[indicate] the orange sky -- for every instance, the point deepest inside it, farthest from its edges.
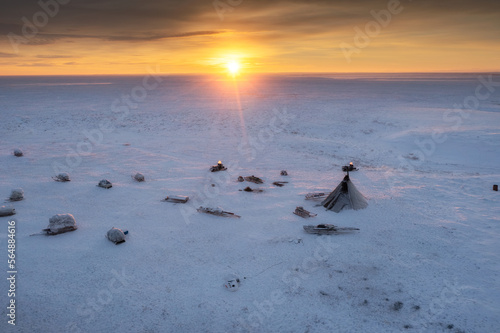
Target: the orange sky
(128, 36)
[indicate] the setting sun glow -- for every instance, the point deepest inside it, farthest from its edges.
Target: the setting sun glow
(233, 67)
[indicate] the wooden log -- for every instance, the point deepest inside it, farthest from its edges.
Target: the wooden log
(177, 199)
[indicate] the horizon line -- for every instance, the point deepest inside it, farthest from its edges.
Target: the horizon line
(257, 73)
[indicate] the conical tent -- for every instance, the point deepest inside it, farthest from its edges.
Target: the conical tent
(345, 196)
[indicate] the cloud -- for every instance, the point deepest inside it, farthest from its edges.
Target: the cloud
(150, 20)
(7, 55)
(49, 38)
(54, 56)
(38, 64)
(157, 37)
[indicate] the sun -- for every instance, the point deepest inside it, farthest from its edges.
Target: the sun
(233, 67)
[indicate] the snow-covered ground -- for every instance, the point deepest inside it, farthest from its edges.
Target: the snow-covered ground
(426, 258)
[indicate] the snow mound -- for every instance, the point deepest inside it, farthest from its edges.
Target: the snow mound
(61, 223)
(139, 177)
(17, 194)
(18, 152)
(116, 235)
(105, 184)
(7, 211)
(62, 177)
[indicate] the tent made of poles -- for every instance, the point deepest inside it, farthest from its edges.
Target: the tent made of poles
(345, 196)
